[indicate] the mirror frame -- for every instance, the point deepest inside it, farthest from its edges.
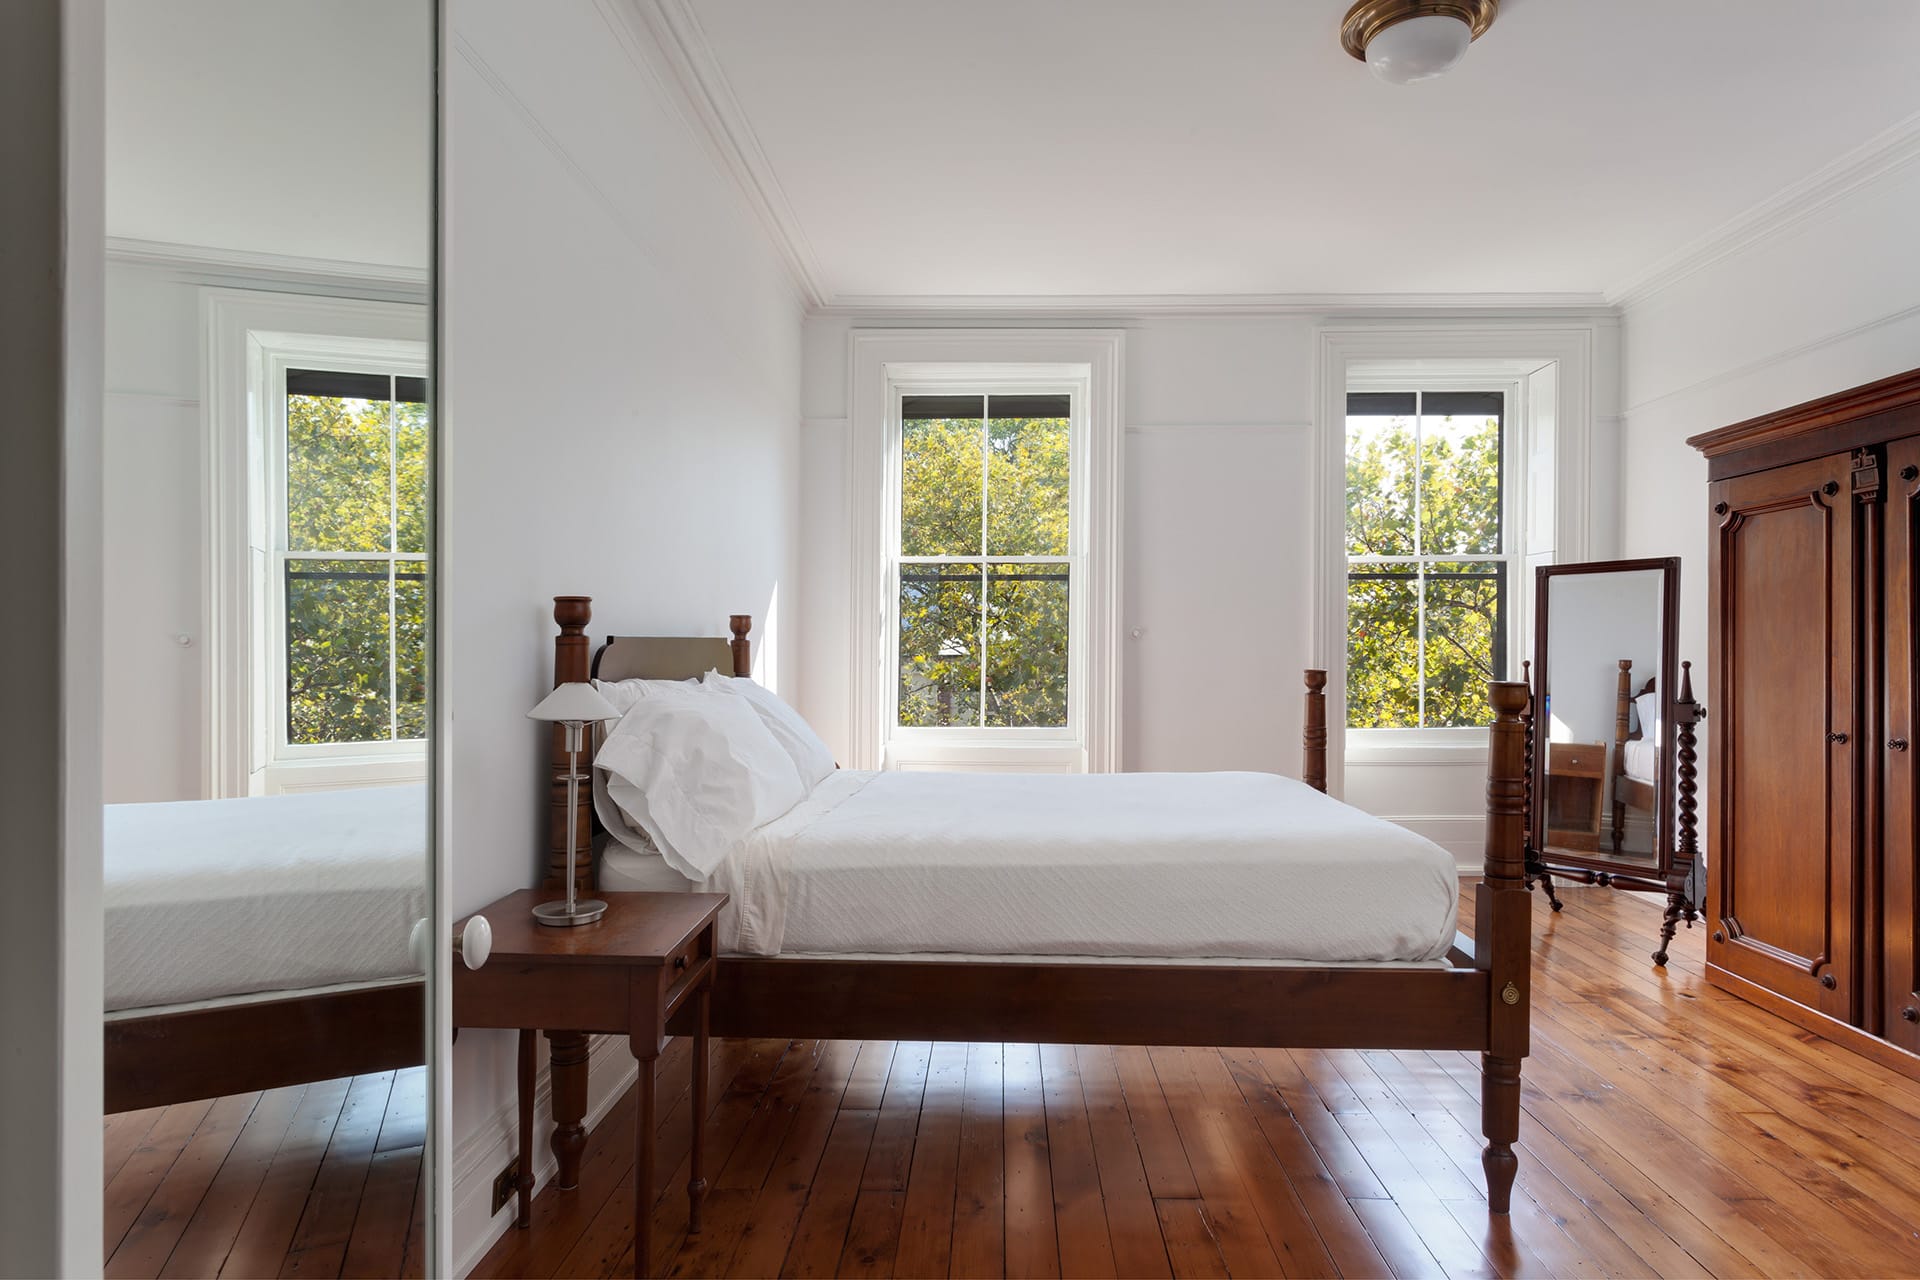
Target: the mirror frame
(1618, 870)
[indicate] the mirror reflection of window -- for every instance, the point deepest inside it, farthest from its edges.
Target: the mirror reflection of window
(267, 447)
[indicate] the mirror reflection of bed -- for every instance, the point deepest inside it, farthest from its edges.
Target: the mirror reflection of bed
(267, 443)
(1601, 715)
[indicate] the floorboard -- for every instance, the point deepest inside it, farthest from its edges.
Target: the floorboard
(1667, 1129)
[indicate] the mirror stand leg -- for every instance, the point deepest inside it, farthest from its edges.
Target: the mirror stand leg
(1670, 922)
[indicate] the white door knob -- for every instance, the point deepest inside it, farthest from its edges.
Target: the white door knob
(473, 943)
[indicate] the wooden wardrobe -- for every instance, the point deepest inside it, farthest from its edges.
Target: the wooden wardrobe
(1813, 851)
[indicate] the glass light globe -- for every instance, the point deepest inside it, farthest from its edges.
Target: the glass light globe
(1418, 48)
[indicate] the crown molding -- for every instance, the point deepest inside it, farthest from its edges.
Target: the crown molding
(1124, 306)
(671, 27)
(204, 262)
(1885, 153)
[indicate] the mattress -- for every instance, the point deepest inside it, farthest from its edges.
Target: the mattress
(211, 899)
(1640, 758)
(1224, 866)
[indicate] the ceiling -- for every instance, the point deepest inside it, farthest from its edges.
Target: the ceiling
(298, 128)
(918, 148)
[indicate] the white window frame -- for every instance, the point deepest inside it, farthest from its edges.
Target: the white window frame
(887, 364)
(252, 339)
(1557, 357)
(1441, 743)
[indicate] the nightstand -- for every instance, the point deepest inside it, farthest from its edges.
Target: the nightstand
(1576, 787)
(624, 974)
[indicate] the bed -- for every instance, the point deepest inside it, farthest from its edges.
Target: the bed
(1423, 990)
(1636, 753)
(253, 943)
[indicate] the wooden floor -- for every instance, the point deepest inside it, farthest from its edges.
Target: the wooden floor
(313, 1180)
(1668, 1130)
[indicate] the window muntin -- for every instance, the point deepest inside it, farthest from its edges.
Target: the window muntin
(352, 563)
(1428, 567)
(985, 568)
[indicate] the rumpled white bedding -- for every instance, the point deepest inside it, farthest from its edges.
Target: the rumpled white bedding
(214, 898)
(1220, 865)
(1640, 757)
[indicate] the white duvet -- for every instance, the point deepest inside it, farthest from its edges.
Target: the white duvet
(1641, 758)
(208, 899)
(1216, 865)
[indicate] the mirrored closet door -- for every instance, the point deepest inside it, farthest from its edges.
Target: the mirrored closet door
(269, 545)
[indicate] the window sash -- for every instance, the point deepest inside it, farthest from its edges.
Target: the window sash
(1416, 404)
(405, 384)
(1025, 394)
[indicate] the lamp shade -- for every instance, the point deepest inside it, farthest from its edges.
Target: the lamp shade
(577, 702)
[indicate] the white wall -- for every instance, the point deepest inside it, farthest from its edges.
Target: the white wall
(1825, 303)
(621, 384)
(50, 351)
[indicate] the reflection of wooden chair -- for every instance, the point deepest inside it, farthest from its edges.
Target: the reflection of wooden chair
(1630, 792)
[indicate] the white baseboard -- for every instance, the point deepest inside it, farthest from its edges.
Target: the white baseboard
(479, 1158)
(1463, 837)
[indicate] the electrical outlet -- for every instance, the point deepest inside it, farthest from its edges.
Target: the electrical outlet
(506, 1184)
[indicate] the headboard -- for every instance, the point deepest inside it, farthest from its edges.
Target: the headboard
(620, 658)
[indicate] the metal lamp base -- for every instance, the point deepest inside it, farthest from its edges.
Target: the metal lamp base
(584, 911)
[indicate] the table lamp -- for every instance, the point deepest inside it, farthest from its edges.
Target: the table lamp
(575, 705)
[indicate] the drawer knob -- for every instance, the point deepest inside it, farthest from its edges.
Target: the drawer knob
(1828, 981)
(1910, 473)
(1837, 737)
(1719, 936)
(1911, 1014)
(679, 963)
(1897, 744)
(1719, 508)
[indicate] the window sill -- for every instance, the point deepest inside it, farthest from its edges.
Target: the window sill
(986, 756)
(1416, 746)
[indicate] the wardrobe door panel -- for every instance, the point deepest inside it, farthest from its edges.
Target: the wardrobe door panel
(1899, 880)
(1782, 835)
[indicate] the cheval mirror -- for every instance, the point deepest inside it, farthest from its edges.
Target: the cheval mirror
(1611, 791)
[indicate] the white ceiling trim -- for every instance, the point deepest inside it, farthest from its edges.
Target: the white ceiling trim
(205, 261)
(1234, 304)
(1881, 155)
(671, 26)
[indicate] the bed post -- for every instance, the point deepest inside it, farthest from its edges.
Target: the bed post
(1313, 741)
(740, 624)
(1503, 940)
(572, 662)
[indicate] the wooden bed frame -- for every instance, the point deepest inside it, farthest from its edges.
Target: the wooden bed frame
(156, 1060)
(1478, 1002)
(1628, 793)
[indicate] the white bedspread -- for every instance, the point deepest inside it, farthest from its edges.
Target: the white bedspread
(1640, 756)
(1226, 865)
(213, 898)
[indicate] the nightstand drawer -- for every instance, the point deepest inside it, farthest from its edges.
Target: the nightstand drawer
(683, 964)
(1578, 759)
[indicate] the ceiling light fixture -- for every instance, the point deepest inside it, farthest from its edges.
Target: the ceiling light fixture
(1408, 40)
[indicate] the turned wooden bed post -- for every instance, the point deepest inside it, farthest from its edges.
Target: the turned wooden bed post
(740, 624)
(1313, 740)
(572, 662)
(1503, 940)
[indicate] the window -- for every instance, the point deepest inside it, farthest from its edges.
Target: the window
(1429, 556)
(351, 490)
(985, 564)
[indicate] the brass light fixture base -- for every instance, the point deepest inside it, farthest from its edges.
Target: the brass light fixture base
(1369, 18)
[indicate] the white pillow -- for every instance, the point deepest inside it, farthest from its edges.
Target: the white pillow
(624, 693)
(812, 757)
(1647, 707)
(698, 772)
